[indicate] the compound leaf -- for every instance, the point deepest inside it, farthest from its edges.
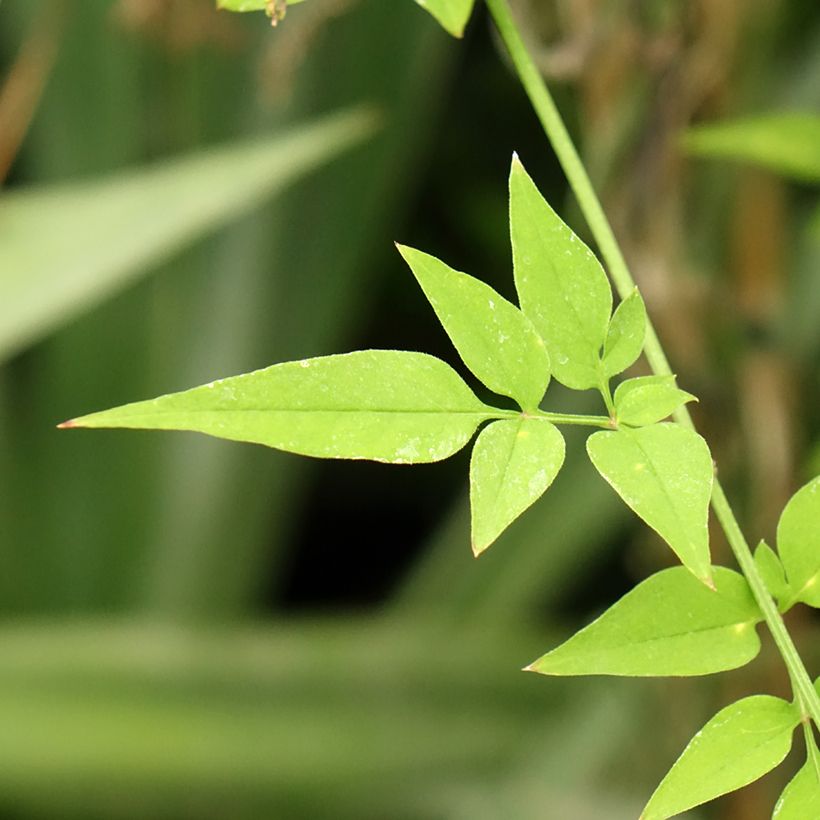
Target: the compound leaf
(670, 624)
(452, 14)
(771, 570)
(561, 286)
(801, 797)
(493, 337)
(787, 143)
(625, 337)
(664, 473)
(736, 747)
(514, 461)
(648, 399)
(798, 542)
(383, 405)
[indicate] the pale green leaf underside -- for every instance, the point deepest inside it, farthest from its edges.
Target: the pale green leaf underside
(664, 474)
(736, 747)
(249, 5)
(670, 624)
(561, 286)
(513, 462)
(798, 542)
(648, 399)
(382, 405)
(801, 798)
(771, 570)
(492, 336)
(102, 234)
(452, 14)
(788, 143)
(625, 337)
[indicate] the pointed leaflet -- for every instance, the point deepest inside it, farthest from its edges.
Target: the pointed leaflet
(493, 337)
(771, 571)
(798, 542)
(671, 624)
(648, 399)
(452, 14)
(561, 286)
(625, 337)
(382, 405)
(513, 463)
(736, 747)
(801, 798)
(664, 473)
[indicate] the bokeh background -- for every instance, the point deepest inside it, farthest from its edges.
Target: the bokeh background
(198, 629)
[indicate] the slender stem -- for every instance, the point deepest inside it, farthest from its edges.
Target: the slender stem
(558, 136)
(570, 418)
(811, 748)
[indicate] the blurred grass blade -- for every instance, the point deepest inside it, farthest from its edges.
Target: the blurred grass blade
(64, 248)
(787, 143)
(130, 712)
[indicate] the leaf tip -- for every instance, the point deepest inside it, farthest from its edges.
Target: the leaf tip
(67, 425)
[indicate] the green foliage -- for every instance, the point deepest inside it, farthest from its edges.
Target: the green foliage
(252, 5)
(648, 399)
(771, 570)
(801, 798)
(494, 339)
(625, 336)
(452, 14)
(664, 473)
(737, 746)
(383, 405)
(561, 285)
(138, 219)
(670, 624)
(513, 463)
(798, 542)
(405, 407)
(788, 143)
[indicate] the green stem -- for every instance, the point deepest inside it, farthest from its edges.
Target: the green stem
(570, 418)
(558, 136)
(811, 748)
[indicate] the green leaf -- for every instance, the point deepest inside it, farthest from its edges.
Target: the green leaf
(493, 337)
(736, 747)
(102, 234)
(664, 473)
(452, 14)
(383, 405)
(513, 463)
(787, 143)
(251, 5)
(670, 624)
(798, 542)
(648, 399)
(801, 798)
(625, 337)
(771, 570)
(561, 286)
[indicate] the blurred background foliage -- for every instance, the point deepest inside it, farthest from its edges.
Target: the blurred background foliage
(197, 629)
